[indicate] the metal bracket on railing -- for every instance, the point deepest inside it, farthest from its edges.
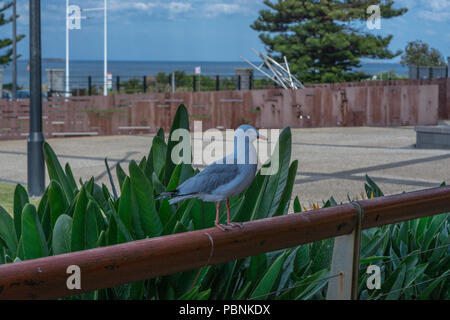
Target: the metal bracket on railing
(345, 262)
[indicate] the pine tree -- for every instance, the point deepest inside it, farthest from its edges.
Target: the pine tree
(324, 40)
(6, 50)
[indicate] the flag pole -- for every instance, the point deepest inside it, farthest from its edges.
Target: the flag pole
(67, 49)
(105, 51)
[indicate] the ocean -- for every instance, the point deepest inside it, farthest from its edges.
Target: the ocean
(80, 70)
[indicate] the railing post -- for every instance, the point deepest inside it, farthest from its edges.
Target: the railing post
(345, 262)
(90, 85)
(193, 83)
(118, 84)
(217, 83)
(173, 82)
(144, 84)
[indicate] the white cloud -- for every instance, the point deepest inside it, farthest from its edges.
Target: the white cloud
(216, 9)
(188, 8)
(179, 7)
(431, 10)
(435, 16)
(176, 8)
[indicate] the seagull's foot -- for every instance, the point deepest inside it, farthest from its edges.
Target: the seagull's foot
(223, 227)
(236, 225)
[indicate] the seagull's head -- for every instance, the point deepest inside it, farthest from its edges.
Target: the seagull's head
(245, 131)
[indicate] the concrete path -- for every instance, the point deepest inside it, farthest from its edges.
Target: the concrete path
(332, 161)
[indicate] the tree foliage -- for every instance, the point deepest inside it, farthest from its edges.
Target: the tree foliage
(6, 50)
(419, 53)
(324, 40)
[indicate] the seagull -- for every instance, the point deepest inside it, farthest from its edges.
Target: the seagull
(223, 178)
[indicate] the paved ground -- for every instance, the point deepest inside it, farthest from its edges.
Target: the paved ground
(332, 161)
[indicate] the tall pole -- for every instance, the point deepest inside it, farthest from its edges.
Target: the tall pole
(67, 49)
(173, 82)
(105, 61)
(14, 62)
(36, 170)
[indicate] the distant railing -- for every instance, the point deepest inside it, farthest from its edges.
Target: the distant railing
(428, 72)
(106, 267)
(119, 84)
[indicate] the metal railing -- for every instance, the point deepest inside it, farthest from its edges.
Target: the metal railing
(93, 85)
(106, 267)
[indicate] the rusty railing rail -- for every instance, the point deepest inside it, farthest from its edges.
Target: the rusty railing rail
(106, 267)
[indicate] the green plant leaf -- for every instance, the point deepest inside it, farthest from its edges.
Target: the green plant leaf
(143, 190)
(56, 172)
(20, 200)
(432, 231)
(373, 187)
(180, 121)
(157, 157)
(125, 211)
(297, 205)
(269, 279)
(372, 259)
(158, 186)
(57, 201)
(7, 231)
(62, 234)
(252, 199)
(34, 242)
(276, 181)
(143, 164)
(285, 200)
(111, 180)
(427, 292)
(394, 283)
(70, 178)
(257, 266)
(78, 239)
(121, 175)
(92, 231)
(311, 285)
(175, 178)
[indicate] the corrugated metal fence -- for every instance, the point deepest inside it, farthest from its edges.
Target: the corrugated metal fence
(390, 103)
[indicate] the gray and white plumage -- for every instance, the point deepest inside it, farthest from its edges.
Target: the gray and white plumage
(223, 178)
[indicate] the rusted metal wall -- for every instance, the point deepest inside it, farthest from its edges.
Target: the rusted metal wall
(443, 83)
(368, 104)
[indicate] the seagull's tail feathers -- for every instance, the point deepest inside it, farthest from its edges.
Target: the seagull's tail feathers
(181, 198)
(175, 195)
(168, 194)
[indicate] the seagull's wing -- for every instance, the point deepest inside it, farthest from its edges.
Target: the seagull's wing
(209, 179)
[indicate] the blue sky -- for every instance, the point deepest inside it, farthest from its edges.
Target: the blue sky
(198, 30)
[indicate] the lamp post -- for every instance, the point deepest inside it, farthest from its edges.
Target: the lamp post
(105, 51)
(67, 50)
(36, 169)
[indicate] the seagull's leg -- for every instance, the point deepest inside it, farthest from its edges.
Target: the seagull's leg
(233, 224)
(218, 225)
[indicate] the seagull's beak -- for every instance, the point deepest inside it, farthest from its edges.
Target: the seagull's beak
(260, 136)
